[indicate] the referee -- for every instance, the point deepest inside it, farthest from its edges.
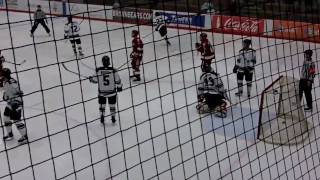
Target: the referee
(306, 79)
(40, 18)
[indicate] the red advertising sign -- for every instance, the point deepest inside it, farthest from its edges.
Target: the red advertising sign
(133, 15)
(296, 30)
(237, 25)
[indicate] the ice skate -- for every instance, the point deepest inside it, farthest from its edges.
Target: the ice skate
(113, 119)
(23, 139)
(8, 137)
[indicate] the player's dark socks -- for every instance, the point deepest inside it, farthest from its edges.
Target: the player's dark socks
(113, 119)
(81, 53)
(102, 119)
(137, 78)
(308, 109)
(8, 137)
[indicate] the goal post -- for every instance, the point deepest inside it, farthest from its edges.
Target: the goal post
(281, 117)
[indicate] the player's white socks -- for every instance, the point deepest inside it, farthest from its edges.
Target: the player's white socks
(74, 48)
(102, 109)
(112, 109)
(21, 128)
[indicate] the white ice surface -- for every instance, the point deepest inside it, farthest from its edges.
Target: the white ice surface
(159, 134)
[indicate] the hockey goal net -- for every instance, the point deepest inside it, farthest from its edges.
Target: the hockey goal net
(281, 118)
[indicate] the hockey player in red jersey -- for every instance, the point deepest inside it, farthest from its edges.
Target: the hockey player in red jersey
(136, 54)
(206, 50)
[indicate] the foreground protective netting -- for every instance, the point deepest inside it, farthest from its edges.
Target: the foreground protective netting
(158, 133)
(282, 120)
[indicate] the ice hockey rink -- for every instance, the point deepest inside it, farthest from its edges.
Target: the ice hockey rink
(160, 135)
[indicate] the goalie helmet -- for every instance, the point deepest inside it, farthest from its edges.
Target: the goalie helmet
(157, 14)
(106, 61)
(308, 52)
(134, 33)
(246, 43)
(6, 72)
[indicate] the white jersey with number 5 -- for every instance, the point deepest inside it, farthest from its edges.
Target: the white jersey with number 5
(108, 81)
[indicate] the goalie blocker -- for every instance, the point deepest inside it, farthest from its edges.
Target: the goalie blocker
(212, 96)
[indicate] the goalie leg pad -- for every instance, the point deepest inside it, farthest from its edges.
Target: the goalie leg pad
(203, 108)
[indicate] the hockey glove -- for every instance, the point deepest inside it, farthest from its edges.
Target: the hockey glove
(200, 98)
(15, 105)
(119, 89)
(235, 69)
(91, 79)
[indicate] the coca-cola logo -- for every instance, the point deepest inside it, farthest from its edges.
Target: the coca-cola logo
(248, 25)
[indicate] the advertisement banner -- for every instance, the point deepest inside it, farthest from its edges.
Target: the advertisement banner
(238, 25)
(11, 4)
(90, 10)
(50, 7)
(133, 15)
(183, 19)
(296, 30)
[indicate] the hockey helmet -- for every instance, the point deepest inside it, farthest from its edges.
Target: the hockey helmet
(39, 6)
(157, 14)
(134, 33)
(247, 42)
(203, 36)
(106, 61)
(308, 52)
(6, 72)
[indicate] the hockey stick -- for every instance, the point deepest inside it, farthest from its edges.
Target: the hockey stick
(122, 65)
(147, 35)
(64, 66)
(18, 64)
(82, 19)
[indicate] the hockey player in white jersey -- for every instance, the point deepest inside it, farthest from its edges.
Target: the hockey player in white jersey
(161, 26)
(71, 32)
(244, 67)
(212, 96)
(12, 113)
(109, 83)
